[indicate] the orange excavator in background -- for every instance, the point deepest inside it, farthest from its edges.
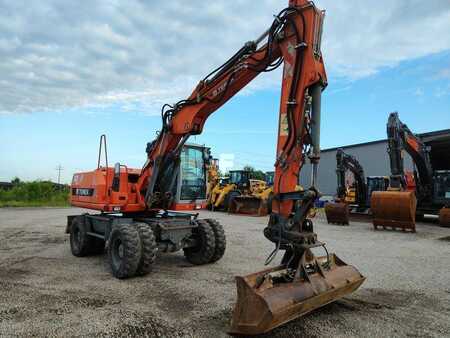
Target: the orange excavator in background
(134, 218)
(398, 207)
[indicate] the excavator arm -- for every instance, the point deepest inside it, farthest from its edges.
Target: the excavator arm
(293, 39)
(346, 162)
(400, 138)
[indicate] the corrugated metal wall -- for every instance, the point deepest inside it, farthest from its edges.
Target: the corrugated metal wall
(372, 156)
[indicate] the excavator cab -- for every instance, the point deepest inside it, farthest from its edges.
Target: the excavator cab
(442, 195)
(270, 175)
(241, 179)
(376, 183)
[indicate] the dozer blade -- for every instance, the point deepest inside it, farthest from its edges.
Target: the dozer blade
(249, 205)
(394, 209)
(337, 213)
(444, 217)
(264, 304)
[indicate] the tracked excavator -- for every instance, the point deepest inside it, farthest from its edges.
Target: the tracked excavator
(398, 207)
(339, 211)
(135, 213)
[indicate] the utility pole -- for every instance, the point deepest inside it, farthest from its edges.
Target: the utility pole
(59, 169)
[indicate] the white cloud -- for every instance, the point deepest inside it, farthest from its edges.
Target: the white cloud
(56, 55)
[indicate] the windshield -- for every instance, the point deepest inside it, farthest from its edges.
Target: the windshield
(235, 176)
(269, 177)
(193, 185)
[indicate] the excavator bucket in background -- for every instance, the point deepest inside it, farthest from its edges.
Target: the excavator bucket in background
(394, 209)
(337, 213)
(249, 205)
(266, 300)
(444, 217)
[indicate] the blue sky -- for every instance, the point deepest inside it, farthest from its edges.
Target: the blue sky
(46, 124)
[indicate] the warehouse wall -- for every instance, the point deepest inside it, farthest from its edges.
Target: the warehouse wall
(372, 156)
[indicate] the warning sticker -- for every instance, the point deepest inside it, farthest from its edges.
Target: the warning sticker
(284, 127)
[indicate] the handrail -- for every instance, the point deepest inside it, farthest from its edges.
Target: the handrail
(102, 138)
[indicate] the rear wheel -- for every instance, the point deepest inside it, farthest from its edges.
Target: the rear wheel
(204, 250)
(219, 238)
(124, 250)
(149, 248)
(81, 244)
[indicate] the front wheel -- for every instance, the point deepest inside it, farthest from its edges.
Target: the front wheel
(124, 250)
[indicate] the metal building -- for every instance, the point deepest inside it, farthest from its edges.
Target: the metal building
(374, 158)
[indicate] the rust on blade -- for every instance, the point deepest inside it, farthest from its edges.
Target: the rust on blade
(444, 217)
(264, 303)
(337, 213)
(394, 209)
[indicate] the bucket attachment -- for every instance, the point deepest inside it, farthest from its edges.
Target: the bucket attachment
(272, 297)
(337, 213)
(444, 217)
(394, 209)
(249, 205)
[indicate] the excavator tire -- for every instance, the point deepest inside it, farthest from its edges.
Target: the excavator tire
(204, 251)
(444, 217)
(394, 209)
(337, 213)
(149, 248)
(81, 244)
(220, 240)
(124, 250)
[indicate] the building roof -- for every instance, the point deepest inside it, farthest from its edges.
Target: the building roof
(429, 136)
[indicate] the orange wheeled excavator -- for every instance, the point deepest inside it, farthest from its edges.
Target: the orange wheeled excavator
(134, 216)
(398, 207)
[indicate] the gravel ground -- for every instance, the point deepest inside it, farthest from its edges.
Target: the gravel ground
(45, 291)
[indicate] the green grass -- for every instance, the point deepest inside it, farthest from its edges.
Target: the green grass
(34, 194)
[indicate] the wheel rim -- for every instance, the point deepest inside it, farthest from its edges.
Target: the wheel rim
(117, 252)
